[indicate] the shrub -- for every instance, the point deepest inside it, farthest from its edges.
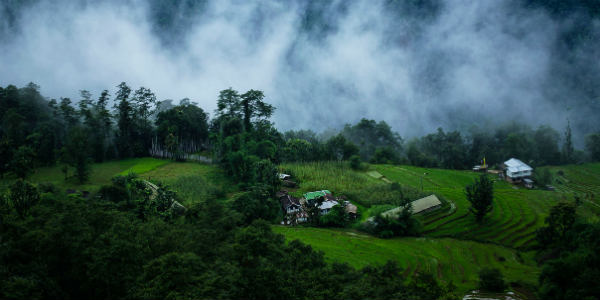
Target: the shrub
(337, 217)
(23, 195)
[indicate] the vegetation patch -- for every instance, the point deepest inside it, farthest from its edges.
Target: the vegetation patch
(457, 261)
(144, 165)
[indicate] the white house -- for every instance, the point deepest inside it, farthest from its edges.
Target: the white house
(284, 176)
(516, 169)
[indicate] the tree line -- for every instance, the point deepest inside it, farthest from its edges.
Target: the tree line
(39, 132)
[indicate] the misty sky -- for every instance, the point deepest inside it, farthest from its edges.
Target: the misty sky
(452, 64)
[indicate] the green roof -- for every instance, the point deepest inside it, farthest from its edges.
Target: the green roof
(317, 194)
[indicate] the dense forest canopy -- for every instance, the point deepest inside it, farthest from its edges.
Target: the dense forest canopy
(417, 65)
(133, 123)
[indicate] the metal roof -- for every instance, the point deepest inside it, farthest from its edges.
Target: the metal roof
(417, 205)
(317, 194)
(514, 165)
(328, 204)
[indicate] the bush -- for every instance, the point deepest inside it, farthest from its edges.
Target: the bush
(23, 195)
(491, 280)
(401, 224)
(337, 217)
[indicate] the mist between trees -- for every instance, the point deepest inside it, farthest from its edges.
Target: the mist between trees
(40, 132)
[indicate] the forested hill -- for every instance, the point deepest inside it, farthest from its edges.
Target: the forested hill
(133, 123)
(77, 221)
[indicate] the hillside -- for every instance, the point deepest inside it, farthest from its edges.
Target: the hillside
(190, 180)
(453, 248)
(449, 249)
(447, 259)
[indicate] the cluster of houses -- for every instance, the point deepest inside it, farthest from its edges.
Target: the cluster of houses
(512, 170)
(295, 208)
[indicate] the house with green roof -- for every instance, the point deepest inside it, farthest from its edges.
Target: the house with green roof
(328, 200)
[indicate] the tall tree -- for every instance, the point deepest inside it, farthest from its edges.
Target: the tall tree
(102, 136)
(22, 162)
(592, 146)
(76, 153)
(481, 195)
(85, 108)
(22, 196)
(68, 113)
(253, 106)
(143, 101)
(228, 103)
(568, 148)
(124, 120)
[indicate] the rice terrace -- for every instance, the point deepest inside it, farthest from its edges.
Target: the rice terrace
(292, 149)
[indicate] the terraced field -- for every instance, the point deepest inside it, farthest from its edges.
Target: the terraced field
(583, 181)
(447, 259)
(516, 215)
(517, 212)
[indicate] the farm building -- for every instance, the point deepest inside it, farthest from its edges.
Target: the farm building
(292, 208)
(351, 209)
(284, 176)
(425, 204)
(289, 204)
(516, 170)
(328, 200)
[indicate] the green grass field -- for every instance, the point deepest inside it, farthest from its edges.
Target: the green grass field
(101, 173)
(517, 212)
(581, 180)
(446, 258)
(193, 181)
(454, 246)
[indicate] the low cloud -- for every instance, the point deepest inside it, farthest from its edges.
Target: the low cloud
(457, 64)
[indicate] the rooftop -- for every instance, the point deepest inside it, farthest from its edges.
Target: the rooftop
(418, 205)
(514, 165)
(317, 194)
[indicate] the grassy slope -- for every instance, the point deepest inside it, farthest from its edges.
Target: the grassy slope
(583, 180)
(192, 180)
(517, 214)
(100, 173)
(448, 259)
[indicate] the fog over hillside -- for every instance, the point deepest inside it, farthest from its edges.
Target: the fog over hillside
(418, 65)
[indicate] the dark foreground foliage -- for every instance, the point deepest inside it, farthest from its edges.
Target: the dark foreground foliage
(568, 250)
(124, 245)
